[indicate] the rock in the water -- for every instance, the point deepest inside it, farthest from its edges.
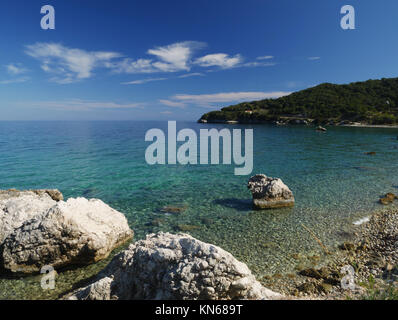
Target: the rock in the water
(388, 198)
(167, 266)
(269, 193)
(173, 209)
(320, 128)
(38, 231)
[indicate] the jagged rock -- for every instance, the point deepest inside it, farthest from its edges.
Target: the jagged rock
(269, 193)
(55, 194)
(38, 231)
(167, 266)
(18, 206)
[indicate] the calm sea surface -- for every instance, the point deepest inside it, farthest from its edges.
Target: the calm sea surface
(333, 181)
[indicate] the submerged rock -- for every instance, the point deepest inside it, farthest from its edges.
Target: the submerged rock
(388, 198)
(37, 230)
(269, 193)
(187, 227)
(167, 266)
(173, 209)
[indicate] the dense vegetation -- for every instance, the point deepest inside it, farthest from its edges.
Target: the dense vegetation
(372, 102)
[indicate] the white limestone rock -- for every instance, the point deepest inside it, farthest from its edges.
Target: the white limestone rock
(39, 231)
(167, 266)
(270, 193)
(19, 206)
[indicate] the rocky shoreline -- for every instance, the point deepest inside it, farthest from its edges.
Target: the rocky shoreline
(372, 254)
(39, 228)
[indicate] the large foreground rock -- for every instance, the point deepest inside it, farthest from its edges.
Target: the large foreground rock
(270, 193)
(166, 266)
(37, 230)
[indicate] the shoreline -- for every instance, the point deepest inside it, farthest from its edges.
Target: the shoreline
(309, 124)
(369, 126)
(371, 254)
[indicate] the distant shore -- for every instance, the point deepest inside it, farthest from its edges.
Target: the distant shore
(370, 126)
(299, 122)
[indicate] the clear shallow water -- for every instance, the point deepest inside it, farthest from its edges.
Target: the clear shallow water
(333, 181)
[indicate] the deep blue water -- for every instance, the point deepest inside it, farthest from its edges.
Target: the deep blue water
(333, 181)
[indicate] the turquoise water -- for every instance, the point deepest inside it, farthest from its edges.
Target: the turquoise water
(333, 181)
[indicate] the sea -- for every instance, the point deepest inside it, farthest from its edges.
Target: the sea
(334, 182)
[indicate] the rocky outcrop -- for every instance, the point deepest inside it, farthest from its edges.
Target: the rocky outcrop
(17, 207)
(167, 266)
(270, 193)
(37, 230)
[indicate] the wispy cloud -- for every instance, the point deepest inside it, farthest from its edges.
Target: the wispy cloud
(83, 105)
(16, 69)
(265, 58)
(17, 80)
(208, 100)
(173, 104)
(221, 60)
(166, 112)
(314, 58)
(188, 75)
(68, 64)
(259, 64)
(144, 80)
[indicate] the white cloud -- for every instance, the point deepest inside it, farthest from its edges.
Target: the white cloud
(171, 58)
(259, 64)
(68, 64)
(84, 105)
(15, 69)
(314, 58)
(265, 58)
(207, 100)
(174, 104)
(194, 74)
(221, 60)
(130, 66)
(144, 80)
(166, 112)
(11, 81)
(175, 57)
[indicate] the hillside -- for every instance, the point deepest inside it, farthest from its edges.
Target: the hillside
(370, 102)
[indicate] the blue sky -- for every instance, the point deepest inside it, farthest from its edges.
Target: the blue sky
(175, 60)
